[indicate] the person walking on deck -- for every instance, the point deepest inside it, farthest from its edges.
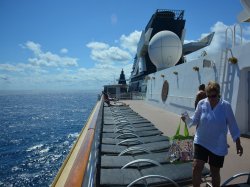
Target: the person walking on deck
(201, 94)
(106, 98)
(214, 117)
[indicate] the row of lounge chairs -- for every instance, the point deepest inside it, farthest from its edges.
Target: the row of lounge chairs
(135, 153)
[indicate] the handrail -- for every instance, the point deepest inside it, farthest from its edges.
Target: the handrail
(236, 176)
(229, 28)
(142, 160)
(119, 118)
(79, 168)
(134, 149)
(123, 127)
(130, 140)
(122, 122)
(70, 154)
(235, 33)
(124, 131)
(124, 134)
(153, 176)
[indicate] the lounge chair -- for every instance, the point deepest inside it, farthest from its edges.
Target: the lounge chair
(146, 162)
(229, 181)
(134, 141)
(130, 128)
(149, 147)
(112, 162)
(126, 135)
(110, 121)
(163, 175)
(118, 121)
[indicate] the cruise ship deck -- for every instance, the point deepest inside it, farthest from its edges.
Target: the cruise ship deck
(98, 156)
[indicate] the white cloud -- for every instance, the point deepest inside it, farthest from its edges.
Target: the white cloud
(219, 38)
(21, 68)
(47, 58)
(47, 70)
(101, 52)
(121, 54)
(97, 45)
(64, 51)
(10, 68)
(103, 72)
(82, 78)
(130, 42)
(36, 48)
(246, 31)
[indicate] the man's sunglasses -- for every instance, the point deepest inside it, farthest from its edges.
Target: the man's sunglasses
(212, 96)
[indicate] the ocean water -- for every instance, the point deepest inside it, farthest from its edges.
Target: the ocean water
(37, 131)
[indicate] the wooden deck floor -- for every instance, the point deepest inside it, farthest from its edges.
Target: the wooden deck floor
(167, 122)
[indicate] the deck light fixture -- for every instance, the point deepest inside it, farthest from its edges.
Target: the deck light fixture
(233, 60)
(196, 68)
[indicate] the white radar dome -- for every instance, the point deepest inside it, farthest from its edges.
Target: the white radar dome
(165, 49)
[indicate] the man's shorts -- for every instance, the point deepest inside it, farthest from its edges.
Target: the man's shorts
(201, 153)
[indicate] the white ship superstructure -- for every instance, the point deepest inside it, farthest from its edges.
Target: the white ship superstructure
(175, 82)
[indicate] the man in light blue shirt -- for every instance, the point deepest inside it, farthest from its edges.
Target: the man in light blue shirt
(214, 117)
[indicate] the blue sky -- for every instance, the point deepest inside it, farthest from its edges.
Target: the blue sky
(84, 44)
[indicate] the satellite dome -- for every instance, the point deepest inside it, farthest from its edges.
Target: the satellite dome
(165, 49)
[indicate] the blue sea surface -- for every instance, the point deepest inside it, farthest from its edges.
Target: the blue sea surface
(37, 132)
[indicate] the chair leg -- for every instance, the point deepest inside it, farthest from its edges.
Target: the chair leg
(248, 180)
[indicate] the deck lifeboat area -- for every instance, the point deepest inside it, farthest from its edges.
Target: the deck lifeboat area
(128, 145)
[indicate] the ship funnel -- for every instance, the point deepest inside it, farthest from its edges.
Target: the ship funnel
(165, 49)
